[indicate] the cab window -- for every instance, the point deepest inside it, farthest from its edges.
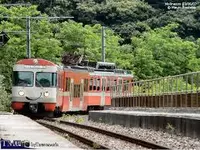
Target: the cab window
(23, 78)
(46, 79)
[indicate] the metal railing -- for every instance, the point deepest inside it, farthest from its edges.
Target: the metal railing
(184, 84)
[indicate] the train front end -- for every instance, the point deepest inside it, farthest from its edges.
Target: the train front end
(34, 87)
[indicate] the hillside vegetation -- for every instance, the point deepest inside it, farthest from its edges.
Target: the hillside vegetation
(142, 36)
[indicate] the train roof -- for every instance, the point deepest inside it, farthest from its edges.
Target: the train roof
(34, 61)
(93, 68)
(101, 69)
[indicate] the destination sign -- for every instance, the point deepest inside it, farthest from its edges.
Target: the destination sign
(35, 67)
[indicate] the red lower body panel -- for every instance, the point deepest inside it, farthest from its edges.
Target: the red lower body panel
(49, 106)
(17, 105)
(21, 105)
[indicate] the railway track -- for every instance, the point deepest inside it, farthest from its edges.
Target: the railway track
(84, 140)
(132, 140)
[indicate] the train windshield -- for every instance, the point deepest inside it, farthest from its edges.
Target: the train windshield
(22, 78)
(46, 79)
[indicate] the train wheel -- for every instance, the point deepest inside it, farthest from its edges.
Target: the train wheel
(90, 108)
(57, 112)
(50, 114)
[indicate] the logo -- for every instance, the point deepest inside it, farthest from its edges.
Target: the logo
(35, 61)
(15, 144)
(24, 144)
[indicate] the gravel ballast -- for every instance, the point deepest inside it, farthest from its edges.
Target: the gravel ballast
(159, 137)
(107, 141)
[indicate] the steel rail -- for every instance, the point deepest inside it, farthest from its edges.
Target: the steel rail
(84, 140)
(136, 141)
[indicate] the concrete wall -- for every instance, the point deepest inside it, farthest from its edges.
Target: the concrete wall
(184, 126)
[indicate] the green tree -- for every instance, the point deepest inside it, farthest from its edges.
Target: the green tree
(4, 97)
(49, 40)
(123, 16)
(86, 40)
(166, 50)
(43, 43)
(188, 20)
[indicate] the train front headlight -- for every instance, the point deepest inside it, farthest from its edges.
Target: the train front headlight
(21, 93)
(46, 93)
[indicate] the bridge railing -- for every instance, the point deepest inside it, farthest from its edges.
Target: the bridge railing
(178, 90)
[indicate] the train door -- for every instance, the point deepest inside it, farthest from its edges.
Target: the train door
(60, 90)
(103, 93)
(81, 94)
(119, 87)
(71, 94)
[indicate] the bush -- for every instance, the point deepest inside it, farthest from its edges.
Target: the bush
(4, 97)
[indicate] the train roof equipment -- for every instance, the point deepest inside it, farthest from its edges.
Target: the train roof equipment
(99, 67)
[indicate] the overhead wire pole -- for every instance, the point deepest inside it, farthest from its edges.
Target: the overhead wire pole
(103, 43)
(28, 24)
(28, 28)
(28, 39)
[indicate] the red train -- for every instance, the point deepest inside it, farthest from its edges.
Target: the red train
(41, 86)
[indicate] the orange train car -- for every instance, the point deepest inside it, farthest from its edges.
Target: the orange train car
(42, 86)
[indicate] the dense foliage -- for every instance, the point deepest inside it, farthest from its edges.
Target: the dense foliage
(161, 52)
(143, 36)
(4, 97)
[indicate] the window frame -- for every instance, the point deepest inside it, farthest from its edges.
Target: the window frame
(108, 84)
(77, 92)
(91, 84)
(68, 84)
(86, 84)
(23, 86)
(94, 87)
(98, 81)
(58, 78)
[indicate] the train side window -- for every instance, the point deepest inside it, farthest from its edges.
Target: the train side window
(68, 81)
(120, 85)
(71, 91)
(74, 91)
(115, 84)
(61, 86)
(108, 85)
(77, 90)
(60, 81)
(103, 84)
(98, 84)
(81, 90)
(94, 84)
(85, 85)
(125, 82)
(91, 84)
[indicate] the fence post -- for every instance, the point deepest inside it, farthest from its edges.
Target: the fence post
(191, 93)
(197, 89)
(186, 91)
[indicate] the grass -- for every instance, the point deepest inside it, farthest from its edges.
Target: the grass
(73, 118)
(170, 128)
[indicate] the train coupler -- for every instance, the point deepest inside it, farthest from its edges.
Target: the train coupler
(33, 107)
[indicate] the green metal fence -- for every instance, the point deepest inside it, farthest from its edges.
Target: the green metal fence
(185, 85)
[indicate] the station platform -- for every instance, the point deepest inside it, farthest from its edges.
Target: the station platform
(186, 124)
(18, 130)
